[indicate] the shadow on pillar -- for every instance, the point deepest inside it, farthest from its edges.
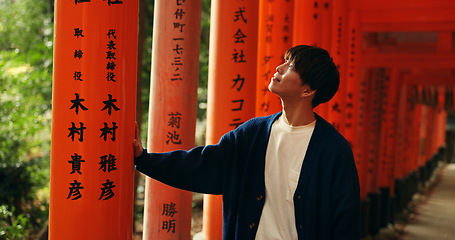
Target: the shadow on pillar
(405, 188)
(392, 210)
(399, 195)
(385, 206)
(412, 186)
(375, 213)
(365, 210)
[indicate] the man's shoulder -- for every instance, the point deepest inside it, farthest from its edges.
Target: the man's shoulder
(260, 121)
(330, 134)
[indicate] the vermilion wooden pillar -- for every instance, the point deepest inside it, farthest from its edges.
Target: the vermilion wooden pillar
(172, 112)
(326, 24)
(339, 45)
(354, 109)
(385, 111)
(404, 147)
(419, 133)
(441, 119)
(232, 83)
(93, 112)
(307, 22)
(308, 29)
(437, 120)
(376, 77)
(388, 129)
(412, 132)
(274, 38)
(387, 144)
(431, 126)
(439, 113)
(423, 113)
(392, 125)
(374, 116)
(400, 146)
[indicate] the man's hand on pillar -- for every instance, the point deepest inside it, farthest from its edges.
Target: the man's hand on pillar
(137, 143)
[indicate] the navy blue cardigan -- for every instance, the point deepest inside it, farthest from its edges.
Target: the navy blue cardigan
(326, 201)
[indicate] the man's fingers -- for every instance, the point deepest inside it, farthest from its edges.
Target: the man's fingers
(136, 132)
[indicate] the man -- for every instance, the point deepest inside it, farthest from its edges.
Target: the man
(290, 175)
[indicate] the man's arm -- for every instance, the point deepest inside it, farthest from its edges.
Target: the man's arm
(346, 199)
(200, 169)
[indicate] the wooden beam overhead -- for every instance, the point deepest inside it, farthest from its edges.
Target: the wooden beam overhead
(408, 27)
(423, 60)
(363, 5)
(429, 80)
(407, 16)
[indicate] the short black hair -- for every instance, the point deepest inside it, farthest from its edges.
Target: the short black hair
(317, 69)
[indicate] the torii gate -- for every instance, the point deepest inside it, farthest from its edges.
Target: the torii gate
(397, 71)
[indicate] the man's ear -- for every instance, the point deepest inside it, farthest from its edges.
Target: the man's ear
(307, 92)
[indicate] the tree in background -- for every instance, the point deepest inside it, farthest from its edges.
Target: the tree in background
(25, 102)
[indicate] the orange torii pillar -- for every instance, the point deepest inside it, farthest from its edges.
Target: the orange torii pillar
(415, 118)
(437, 146)
(443, 136)
(307, 22)
(425, 115)
(339, 45)
(415, 142)
(422, 113)
(439, 90)
(430, 132)
(439, 143)
(360, 148)
(430, 127)
(172, 112)
(325, 27)
(384, 125)
(355, 110)
(326, 13)
(308, 19)
(376, 78)
(93, 113)
(388, 141)
(274, 38)
(402, 145)
(232, 83)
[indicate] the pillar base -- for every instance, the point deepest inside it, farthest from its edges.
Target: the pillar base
(413, 186)
(385, 206)
(393, 202)
(399, 195)
(375, 211)
(365, 217)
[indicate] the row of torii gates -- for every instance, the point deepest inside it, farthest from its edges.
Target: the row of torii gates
(397, 65)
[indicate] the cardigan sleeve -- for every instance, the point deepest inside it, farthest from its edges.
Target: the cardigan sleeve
(199, 169)
(346, 199)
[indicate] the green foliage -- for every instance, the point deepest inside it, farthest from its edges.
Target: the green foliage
(25, 94)
(24, 26)
(25, 103)
(11, 226)
(204, 59)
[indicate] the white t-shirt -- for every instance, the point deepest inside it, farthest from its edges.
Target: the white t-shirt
(285, 153)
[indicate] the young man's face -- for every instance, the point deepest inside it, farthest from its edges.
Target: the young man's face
(286, 82)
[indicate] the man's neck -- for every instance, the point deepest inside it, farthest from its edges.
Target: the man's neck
(298, 113)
